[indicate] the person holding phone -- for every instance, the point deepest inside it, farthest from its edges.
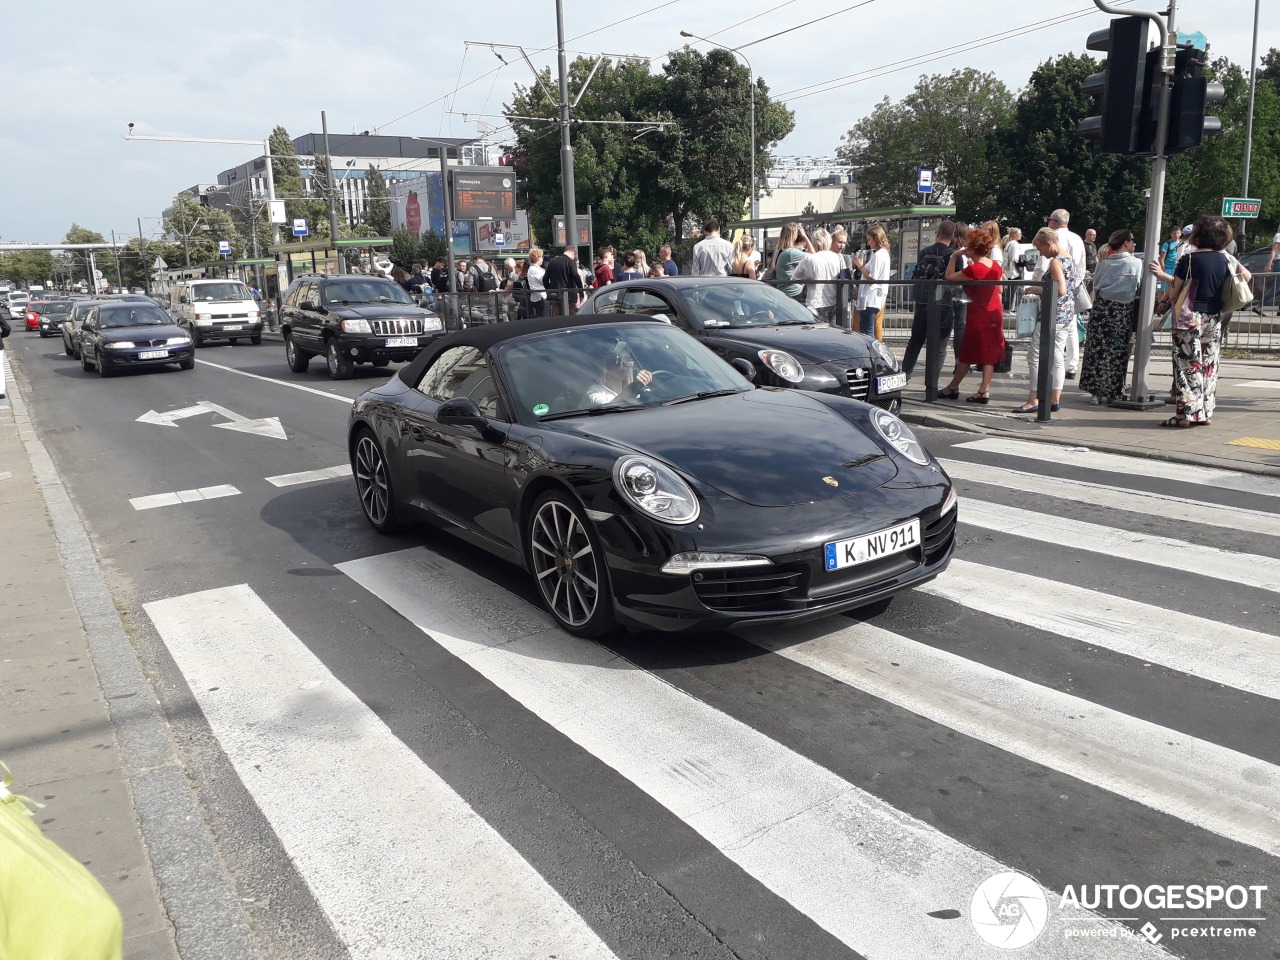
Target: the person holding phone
(983, 344)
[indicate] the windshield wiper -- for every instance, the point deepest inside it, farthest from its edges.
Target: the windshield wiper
(703, 395)
(788, 322)
(594, 411)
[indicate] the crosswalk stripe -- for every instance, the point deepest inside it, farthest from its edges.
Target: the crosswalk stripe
(183, 496)
(401, 865)
(862, 870)
(1133, 501)
(1129, 466)
(1239, 568)
(309, 476)
(1236, 657)
(1221, 790)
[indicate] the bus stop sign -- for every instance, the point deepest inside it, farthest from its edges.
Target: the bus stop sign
(925, 182)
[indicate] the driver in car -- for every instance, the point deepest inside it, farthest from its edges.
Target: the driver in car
(617, 377)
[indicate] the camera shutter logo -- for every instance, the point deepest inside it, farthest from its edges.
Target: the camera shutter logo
(1009, 910)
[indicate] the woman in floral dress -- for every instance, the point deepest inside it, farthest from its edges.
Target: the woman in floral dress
(1115, 292)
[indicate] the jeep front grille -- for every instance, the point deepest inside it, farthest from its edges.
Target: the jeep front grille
(396, 328)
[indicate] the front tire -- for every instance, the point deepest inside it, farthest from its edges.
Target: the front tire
(186, 364)
(85, 365)
(340, 367)
(381, 363)
(196, 336)
(104, 370)
(297, 358)
(568, 566)
(373, 484)
(256, 339)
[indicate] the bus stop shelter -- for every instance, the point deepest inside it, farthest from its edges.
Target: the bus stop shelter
(320, 256)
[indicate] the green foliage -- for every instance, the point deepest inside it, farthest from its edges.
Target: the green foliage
(289, 185)
(28, 266)
(378, 210)
(202, 227)
(1038, 162)
(407, 250)
(943, 123)
(104, 260)
(644, 186)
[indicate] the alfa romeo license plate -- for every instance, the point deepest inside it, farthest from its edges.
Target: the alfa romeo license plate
(888, 384)
(873, 546)
(152, 354)
(402, 341)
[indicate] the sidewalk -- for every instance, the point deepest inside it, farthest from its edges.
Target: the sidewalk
(80, 728)
(1245, 434)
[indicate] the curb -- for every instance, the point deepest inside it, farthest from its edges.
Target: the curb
(198, 898)
(939, 421)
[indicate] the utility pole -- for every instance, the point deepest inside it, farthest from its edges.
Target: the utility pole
(1248, 126)
(333, 184)
(566, 144)
(115, 252)
(142, 255)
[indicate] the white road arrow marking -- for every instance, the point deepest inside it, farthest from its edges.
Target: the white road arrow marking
(264, 427)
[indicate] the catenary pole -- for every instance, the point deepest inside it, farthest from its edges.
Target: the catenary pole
(566, 144)
(333, 184)
(1248, 124)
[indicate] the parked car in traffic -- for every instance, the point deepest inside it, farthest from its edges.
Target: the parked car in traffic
(71, 324)
(216, 310)
(351, 319)
(122, 335)
(46, 315)
(15, 301)
(758, 323)
(642, 480)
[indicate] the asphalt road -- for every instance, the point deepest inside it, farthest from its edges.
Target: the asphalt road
(393, 748)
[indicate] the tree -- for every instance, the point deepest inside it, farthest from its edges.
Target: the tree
(289, 185)
(943, 124)
(1038, 162)
(103, 259)
(202, 227)
(378, 210)
(27, 266)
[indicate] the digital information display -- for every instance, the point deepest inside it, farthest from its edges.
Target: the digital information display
(483, 196)
(582, 222)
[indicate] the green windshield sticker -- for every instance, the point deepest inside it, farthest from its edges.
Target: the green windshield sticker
(540, 409)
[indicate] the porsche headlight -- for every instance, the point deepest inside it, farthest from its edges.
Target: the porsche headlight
(899, 436)
(356, 326)
(884, 353)
(656, 489)
(783, 364)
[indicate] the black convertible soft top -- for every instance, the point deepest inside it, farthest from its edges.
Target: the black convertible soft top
(486, 335)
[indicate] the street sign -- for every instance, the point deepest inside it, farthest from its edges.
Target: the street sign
(159, 264)
(1241, 207)
(499, 240)
(924, 183)
(224, 246)
(480, 194)
(300, 226)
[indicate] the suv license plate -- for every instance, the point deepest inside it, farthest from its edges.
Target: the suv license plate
(152, 354)
(895, 382)
(873, 546)
(402, 341)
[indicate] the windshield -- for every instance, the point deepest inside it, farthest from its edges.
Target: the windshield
(231, 290)
(364, 291)
(746, 304)
(55, 307)
(599, 369)
(133, 315)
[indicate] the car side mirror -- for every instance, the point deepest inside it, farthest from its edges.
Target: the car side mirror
(307, 305)
(462, 411)
(744, 367)
(184, 299)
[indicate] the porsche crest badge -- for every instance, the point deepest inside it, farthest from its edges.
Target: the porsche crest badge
(831, 480)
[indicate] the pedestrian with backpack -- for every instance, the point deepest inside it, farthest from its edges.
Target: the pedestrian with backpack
(931, 265)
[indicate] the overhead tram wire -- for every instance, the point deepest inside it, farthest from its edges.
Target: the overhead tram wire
(807, 23)
(461, 87)
(732, 26)
(921, 59)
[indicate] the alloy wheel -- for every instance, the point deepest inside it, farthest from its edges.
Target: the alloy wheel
(332, 356)
(565, 563)
(371, 481)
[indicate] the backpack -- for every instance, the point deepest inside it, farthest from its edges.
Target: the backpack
(486, 282)
(931, 266)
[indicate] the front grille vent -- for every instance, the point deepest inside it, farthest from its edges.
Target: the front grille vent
(858, 381)
(746, 588)
(396, 328)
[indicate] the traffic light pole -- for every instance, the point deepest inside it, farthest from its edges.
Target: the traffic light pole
(566, 142)
(1139, 395)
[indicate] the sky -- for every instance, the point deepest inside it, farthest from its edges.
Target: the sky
(238, 68)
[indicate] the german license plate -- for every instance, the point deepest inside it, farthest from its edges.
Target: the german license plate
(152, 354)
(233, 326)
(873, 546)
(402, 341)
(894, 382)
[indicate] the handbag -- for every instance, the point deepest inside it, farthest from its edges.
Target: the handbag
(1083, 302)
(1184, 317)
(1005, 365)
(1028, 314)
(1237, 294)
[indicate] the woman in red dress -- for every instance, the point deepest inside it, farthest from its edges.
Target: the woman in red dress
(983, 344)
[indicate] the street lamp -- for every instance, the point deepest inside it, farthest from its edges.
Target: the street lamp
(751, 74)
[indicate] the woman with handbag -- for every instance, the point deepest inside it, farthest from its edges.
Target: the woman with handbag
(1111, 322)
(983, 344)
(1062, 272)
(1201, 282)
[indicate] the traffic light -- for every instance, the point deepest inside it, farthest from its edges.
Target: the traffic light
(1121, 86)
(1192, 93)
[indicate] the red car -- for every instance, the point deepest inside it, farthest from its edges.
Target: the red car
(46, 315)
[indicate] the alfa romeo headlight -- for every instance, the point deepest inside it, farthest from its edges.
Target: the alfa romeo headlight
(884, 353)
(783, 364)
(899, 436)
(656, 489)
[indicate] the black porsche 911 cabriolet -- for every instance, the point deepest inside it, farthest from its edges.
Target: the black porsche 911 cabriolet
(642, 480)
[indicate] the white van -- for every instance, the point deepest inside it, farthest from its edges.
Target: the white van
(216, 310)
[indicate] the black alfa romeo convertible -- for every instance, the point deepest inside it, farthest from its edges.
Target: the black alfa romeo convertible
(642, 480)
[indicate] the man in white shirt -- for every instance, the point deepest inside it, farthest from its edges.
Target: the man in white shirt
(822, 264)
(713, 254)
(1071, 245)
